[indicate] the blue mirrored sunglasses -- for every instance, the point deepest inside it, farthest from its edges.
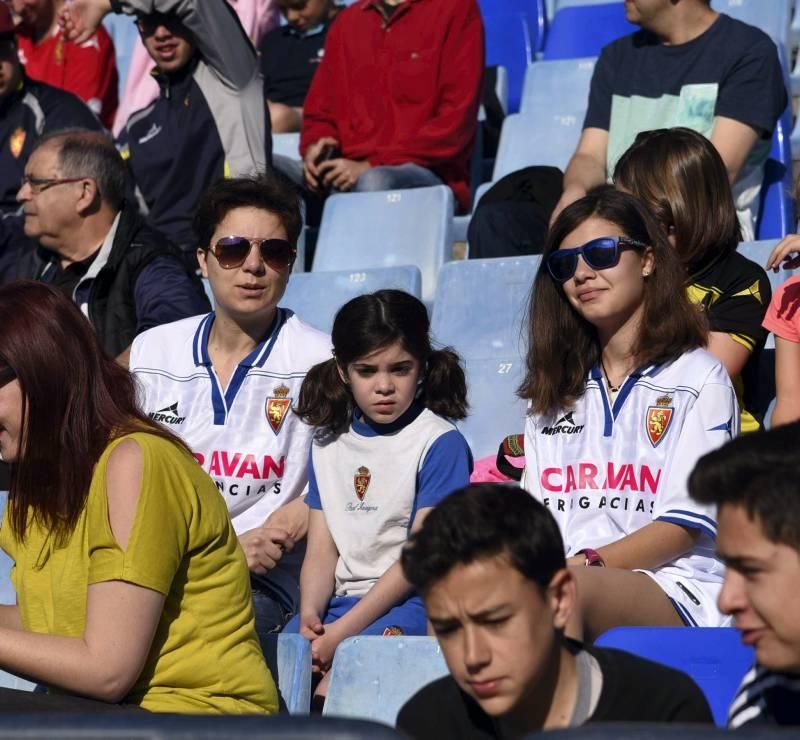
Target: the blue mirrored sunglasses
(599, 254)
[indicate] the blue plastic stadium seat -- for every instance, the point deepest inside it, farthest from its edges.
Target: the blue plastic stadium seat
(559, 86)
(316, 296)
(759, 252)
(480, 310)
(373, 677)
(508, 43)
(771, 16)
(385, 229)
(124, 34)
(583, 30)
(288, 658)
(537, 138)
(286, 145)
(776, 217)
(714, 657)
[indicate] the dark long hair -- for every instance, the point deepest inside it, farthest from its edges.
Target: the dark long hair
(75, 400)
(368, 323)
(563, 346)
(681, 178)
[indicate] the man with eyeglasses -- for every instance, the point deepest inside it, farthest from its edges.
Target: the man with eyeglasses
(28, 110)
(209, 120)
(93, 245)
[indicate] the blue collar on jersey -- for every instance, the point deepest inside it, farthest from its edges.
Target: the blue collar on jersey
(368, 428)
(223, 402)
(611, 412)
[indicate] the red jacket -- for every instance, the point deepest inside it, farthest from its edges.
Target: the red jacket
(88, 70)
(403, 91)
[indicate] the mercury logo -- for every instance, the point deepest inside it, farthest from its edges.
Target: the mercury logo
(168, 415)
(565, 425)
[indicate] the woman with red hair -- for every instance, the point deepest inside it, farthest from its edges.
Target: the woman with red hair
(131, 585)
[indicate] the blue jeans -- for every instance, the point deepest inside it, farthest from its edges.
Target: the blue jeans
(396, 177)
(272, 607)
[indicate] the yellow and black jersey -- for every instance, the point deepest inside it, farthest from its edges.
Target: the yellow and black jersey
(734, 292)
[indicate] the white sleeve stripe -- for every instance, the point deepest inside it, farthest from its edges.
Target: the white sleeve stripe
(686, 521)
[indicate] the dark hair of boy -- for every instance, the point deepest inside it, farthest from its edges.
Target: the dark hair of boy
(466, 527)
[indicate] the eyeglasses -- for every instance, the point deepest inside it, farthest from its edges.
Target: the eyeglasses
(40, 184)
(232, 251)
(599, 254)
(148, 24)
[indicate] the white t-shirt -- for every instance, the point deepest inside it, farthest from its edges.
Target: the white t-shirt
(605, 470)
(245, 436)
(371, 480)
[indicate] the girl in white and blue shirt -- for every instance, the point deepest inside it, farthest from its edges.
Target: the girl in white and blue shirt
(386, 453)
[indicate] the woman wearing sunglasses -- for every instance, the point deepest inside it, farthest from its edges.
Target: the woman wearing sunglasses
(226, 382)
(623, 400)
(682, 179)
(124, 595)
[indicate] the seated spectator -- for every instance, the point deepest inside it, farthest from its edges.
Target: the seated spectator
(28, 110)
(94, 246)
(290, 56)
(687, 66)
(209, 120)
(385, 455)
(89, 69)
(753, 482)
(489, 564)
(395, 101)
(225, 382)
(681, 178)
(619, 414)
(126, 599)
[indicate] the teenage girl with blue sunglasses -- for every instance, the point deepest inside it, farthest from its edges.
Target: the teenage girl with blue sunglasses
(623, 400)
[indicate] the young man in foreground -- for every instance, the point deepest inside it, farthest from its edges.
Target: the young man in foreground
(489, 565)
(755, 482)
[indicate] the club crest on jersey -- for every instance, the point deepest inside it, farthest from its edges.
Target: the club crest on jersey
(277, 407)
(658, 419)
(361, 482)
(16, 141)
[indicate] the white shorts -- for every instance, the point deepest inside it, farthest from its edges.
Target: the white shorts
(695, 601)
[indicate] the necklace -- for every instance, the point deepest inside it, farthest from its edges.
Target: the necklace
(611, 387)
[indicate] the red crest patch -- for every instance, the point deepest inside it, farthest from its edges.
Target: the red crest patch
(657, 423)
(361, 482)
(277, 407)
(393, 631)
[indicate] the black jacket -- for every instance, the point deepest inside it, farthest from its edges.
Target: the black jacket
(112, 292)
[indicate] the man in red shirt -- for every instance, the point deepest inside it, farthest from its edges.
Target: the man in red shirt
(395, 100)
(89, 70)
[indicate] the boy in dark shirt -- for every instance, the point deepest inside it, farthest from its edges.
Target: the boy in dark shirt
(290, 56)
(489, 565)
(754, 482)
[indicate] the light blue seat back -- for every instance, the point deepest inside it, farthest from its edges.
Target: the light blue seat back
(582, 31)
(714, 657)
(542, 138)
(480, 310)
(316, 296)
(373, 677)
(123, 32)
(286, 145)
(288, 658)
(559, 86)
(389, 228)
(771, 16)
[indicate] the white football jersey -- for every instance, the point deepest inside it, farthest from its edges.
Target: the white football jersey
(606, 470)
(245, 436)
